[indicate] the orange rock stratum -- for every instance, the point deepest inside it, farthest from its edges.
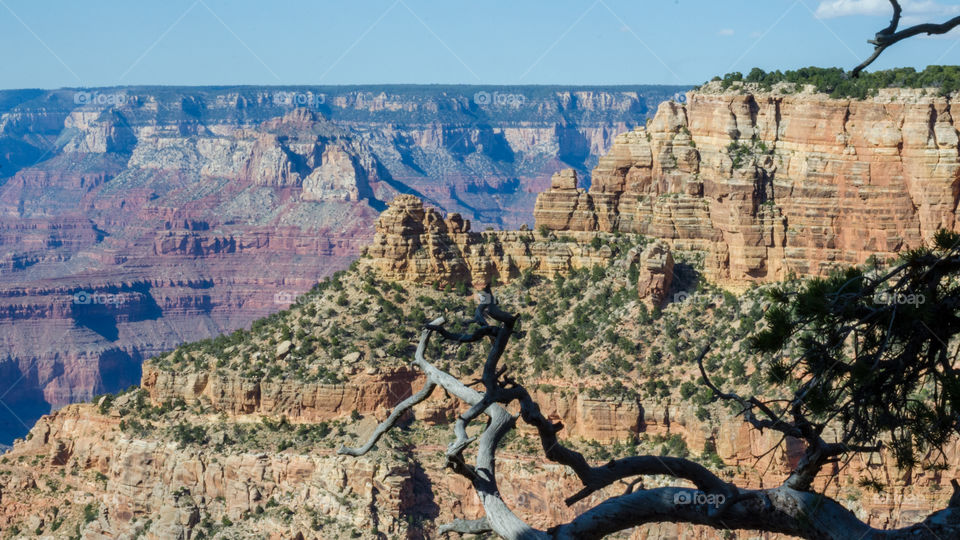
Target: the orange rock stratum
(767, 184)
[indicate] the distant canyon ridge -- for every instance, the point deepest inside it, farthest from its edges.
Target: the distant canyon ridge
(134, 219)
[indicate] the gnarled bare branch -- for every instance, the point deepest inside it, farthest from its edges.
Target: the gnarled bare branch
(889, 35)
(787, 509)
(391, 421)
(466, 526)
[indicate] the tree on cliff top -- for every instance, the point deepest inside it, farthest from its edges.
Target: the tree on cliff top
(864, 353)
(839, 84)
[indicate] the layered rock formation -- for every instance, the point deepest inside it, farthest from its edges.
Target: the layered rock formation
(656, 273)
(565, 207)
(206, 208)
(417, 244)
(299, 402)
(767, 184)
(159, 491)
(789, 199)
(237, 436)
(162, 489)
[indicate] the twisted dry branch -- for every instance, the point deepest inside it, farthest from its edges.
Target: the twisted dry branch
(889, 35)
(714, 503)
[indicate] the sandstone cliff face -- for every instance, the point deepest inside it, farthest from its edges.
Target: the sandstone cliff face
(374, 392)
(565, 207)
(159, 490)
(656, 273)
(163, 489)
(767, 184)
(297, 401)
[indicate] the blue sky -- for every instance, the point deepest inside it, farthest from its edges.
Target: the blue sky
(65, 43)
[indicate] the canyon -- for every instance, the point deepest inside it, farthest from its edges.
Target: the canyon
(740, 186)
(133, 219)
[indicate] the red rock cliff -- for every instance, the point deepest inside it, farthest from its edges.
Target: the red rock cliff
(767, 184)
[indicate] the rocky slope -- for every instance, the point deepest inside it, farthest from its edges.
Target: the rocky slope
(235, 437)
(176, 214)
(766, 184)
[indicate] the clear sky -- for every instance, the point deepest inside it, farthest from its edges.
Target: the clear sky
(68, 43)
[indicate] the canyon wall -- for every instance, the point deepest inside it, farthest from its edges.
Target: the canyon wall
(134, 219)
(161, 489)
(766, 184)
(416, 244)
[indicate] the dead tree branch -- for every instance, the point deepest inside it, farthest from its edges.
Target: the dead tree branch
(889, 35)
(789, 509)
(391, 421)
(466, 526)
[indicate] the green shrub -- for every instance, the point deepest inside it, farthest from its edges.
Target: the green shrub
(673, 445)
(839, 84)
(103, 406)
(597, 273)
(186, 435)
(90, 512)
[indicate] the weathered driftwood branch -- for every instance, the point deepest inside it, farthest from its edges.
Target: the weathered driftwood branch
(483, 475)
(466, 526)
(787, 509)
(889, 35)
(391, 421)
